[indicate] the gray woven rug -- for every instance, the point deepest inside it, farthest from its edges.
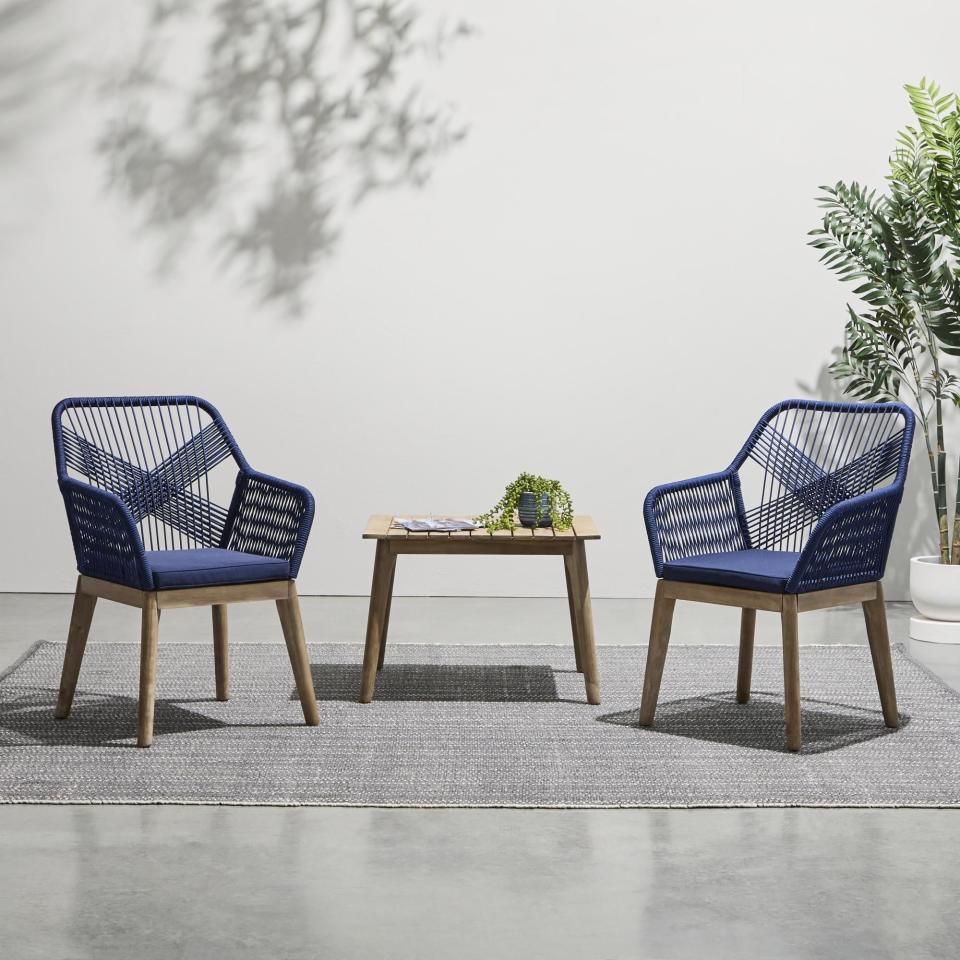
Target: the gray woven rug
(476, 726)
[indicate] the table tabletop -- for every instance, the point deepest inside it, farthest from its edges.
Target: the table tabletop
(380, 527)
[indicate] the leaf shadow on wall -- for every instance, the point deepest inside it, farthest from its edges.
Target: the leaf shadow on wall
(262, 124)
(915, 529)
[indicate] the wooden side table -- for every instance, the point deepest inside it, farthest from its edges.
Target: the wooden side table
(541, 541)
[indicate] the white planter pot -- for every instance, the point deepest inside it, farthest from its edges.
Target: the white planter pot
(935, 591)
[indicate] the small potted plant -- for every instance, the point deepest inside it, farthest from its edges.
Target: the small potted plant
(535, 501)
(902, 249)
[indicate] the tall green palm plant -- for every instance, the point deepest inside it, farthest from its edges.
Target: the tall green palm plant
(902, 249)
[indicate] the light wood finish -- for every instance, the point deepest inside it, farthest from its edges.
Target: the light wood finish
(574, 618)
(583, 610)
(221, 650)
(472, 547)
(789, 630)
(379, 526)
(383, 566)
(748, 623)
(824, 599)
(386, 616)
(725, 596)
(152, 603)
(292, 624)
(660, 624)
(188, 597)
(758, 600)
(111, 591)
(875, 615)
(789, 606)
(149, 629)
(585, 529)
(233, 593)
(80, 619)
(567, 543)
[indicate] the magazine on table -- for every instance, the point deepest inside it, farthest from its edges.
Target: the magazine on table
(434, 524)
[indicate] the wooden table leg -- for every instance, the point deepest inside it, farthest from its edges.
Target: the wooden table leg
(383, 566)
(583, 612)
(386, 614)
(574, 625)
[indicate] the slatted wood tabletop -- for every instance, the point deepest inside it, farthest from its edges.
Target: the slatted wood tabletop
(380, 527)
(567, 543)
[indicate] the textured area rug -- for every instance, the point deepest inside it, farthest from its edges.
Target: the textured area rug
(477, 726)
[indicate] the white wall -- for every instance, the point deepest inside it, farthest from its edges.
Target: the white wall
(606, 282)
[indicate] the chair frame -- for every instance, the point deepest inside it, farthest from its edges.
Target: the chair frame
(111, 552)
(151, 603)
(789, 606)
(841, 560)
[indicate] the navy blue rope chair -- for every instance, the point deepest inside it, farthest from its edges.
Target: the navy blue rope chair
(801, 520)
(165, 511)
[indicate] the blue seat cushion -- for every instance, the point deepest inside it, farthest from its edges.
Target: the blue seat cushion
(210, 566)
(767, 570)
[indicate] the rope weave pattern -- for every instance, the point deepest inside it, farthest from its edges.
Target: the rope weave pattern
(104, 536)
(167, 491)
(848, 550)
(818, 464)
(698, 517)
(271, 518)
(135, 473)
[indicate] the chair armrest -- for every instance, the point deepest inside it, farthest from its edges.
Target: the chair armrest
(106, 540)
(849, 544)
(699, 515)
(270, 517)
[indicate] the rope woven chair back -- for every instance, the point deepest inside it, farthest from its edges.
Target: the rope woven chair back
(160, 456)
(804, 457)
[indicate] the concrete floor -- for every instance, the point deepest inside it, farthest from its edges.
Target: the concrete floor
(211, 882)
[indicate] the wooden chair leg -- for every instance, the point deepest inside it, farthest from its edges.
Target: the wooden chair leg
(660, 624)
(386, 616)
(383, 566)
(583, 609)
(83, 607)
(748, 623)
(574, 624)
(875, 615)
(791, 671)
(292, 624)
(149, 630)
(221, 648)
